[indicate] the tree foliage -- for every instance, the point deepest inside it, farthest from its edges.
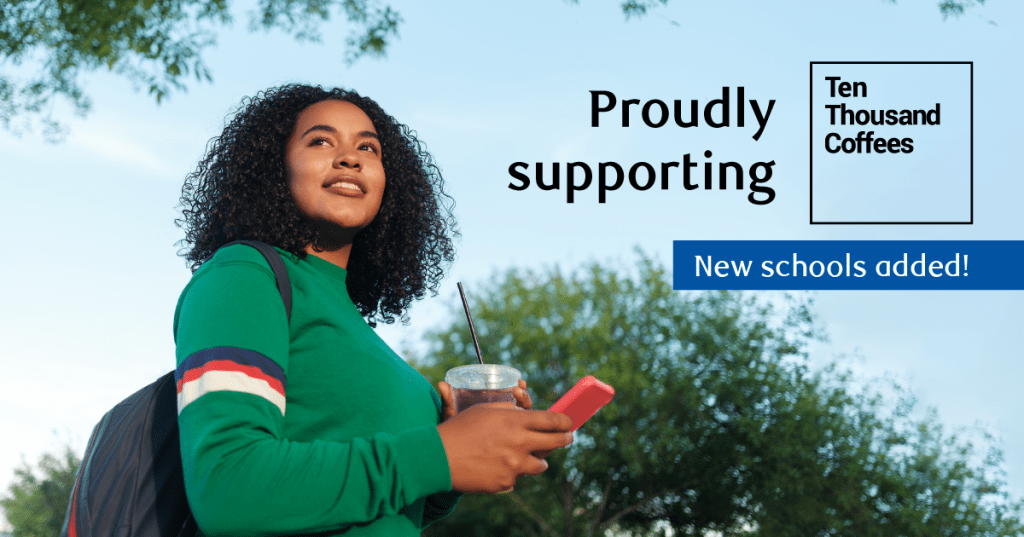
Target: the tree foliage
(156, 44)
(639, 8)
(37, 500)
(718, 423)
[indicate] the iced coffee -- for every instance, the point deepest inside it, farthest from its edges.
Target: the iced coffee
(482, 383)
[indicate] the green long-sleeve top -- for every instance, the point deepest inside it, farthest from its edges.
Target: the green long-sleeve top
(312, 425)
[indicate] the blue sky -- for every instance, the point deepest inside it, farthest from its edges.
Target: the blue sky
(92, 267)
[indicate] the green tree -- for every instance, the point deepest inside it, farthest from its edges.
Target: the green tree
(37, 500)
(156, 44)
(718, 423)
(639, 8)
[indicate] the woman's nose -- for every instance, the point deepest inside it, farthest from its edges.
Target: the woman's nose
(348, 158)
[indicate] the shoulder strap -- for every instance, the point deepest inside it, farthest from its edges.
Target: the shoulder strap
(284, 285)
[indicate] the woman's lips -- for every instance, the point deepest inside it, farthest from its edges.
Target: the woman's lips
(345, 186)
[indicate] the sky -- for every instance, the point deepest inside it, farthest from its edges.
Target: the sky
(91, 266)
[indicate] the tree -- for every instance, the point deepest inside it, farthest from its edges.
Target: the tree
(639, 8)
(156, 44)
(37, 501)
(718, 423)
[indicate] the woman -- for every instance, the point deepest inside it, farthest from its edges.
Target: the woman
(314, 424)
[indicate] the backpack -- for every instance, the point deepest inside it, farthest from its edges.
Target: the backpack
(130, 482)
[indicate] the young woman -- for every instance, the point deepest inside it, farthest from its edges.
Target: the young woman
(314, 424)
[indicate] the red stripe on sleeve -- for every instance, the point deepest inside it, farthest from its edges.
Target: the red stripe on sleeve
(227, 365)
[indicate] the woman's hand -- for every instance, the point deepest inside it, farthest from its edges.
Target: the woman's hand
(490, 445)
(522, 396)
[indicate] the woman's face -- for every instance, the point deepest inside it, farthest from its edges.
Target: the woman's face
(334, 168)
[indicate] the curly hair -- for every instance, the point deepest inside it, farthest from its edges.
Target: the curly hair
(240, 190)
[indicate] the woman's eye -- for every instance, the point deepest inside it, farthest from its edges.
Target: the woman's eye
(370, 147)
(318, 141)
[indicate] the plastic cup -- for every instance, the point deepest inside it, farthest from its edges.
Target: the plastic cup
(482, 383)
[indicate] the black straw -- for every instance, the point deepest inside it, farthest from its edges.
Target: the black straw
(472, 330)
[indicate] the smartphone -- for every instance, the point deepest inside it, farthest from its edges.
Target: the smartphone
(583, 400)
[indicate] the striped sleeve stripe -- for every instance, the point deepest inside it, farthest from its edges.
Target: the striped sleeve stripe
(239, 356)
(232, 381)
(229, 369)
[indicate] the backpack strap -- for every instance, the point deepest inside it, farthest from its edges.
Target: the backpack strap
(284, 285)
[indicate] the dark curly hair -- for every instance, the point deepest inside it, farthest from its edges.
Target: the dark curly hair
(240, 190)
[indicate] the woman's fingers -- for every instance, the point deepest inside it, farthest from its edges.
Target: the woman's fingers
(447, 400)
(534, 466)
(522, 396)
(548, 442)
(550, 422)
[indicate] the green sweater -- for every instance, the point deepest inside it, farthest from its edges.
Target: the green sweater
(309, 426)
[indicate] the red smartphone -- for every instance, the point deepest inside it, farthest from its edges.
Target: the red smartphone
(583, 400)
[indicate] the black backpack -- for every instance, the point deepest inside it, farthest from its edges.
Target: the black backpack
(130, 482)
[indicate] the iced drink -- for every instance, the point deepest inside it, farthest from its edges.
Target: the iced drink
(482, 383)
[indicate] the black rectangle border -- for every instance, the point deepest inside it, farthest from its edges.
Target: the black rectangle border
(810, 169)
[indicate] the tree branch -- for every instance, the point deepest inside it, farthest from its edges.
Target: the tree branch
(640, 505)
(536, 518)
(567, 506)
(600, 508)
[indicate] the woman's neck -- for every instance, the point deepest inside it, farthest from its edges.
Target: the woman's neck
(337, 256)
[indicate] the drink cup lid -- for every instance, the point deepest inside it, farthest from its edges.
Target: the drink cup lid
(483, 377)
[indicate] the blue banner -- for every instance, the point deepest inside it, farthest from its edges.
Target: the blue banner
(848, 265)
